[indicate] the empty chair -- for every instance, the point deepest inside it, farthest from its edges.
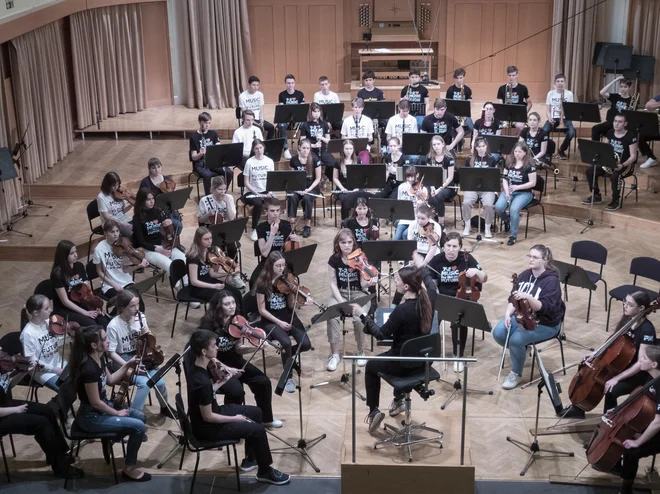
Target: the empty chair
(594, 252)
(643, 267)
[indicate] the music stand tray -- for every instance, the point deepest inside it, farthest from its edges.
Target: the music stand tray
(365, 176)
(573, 275)
(341, 310)
(224, 155)
(299, 260)
(333, 112)
(480, 179)
(617, 58)
(336, 145)
(459, 107)
(142, 286)
(581, 112)
(288, 181)
(642, 122)
(642, 68)
(291, 113)
(430, 175)
(511, 113)
(501, 145)
(228, 232)
(595, 153)
(379, 110)
(388, 250)
(392, 209)
(416, 144)
(274, 148)
(173, 201)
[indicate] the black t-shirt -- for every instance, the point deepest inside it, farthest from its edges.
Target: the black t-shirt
(5, 390)
(343, 179)
(374, 95)
(314, 130)
(455, 93)
(146, 183)
(519, 176)
(416, 96)
(446, 163)
(387, 159)
(295, 164)
(146, 228)
(276, 303)
(203, 270)
(403, 324)
(200, 393)
(654, 390)
(487, 130)
(344, 275)
(534, 142)
(297, 98)
(449, 270)
(360, 232)
(621, 145)
(284, 230)
(226, 345)
(485, 162)
(644, 333)
(519, 94)
(442, 126)
(619, 105)
(199, 140)
(90, 372)
(58, 280)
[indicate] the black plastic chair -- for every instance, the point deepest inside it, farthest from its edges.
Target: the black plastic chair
(546, 167)
(593, 252)
(643, 267)
(537, 196)
(196, 446)
(198, 180)
(178, 270)
(92, 214)
(633, 187)
(11, 343)
(46, 289)
(4, 454)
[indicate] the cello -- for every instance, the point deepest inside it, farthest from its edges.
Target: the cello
(588, 385)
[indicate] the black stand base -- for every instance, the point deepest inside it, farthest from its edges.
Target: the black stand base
(590, 224)
(458, 387)
(174, 451)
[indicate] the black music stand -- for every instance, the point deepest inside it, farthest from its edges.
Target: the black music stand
(480, 180)
(599, 52)
(8, 172)
(173, 201)
(574, 275)
(580, 112)
(139, 288)
(429, 174)
(501, 145)
(462, 313)
(459, 108)
(299, 260)
(617, 58)
(511, 113)
(378, 251)
(365, 176)
(291, 114)
(229, 232)
(224, 156)
(642, 68)
(595, 154)
(392, 210)
(643, 123)
(379, 110)
(286, 181)
(333, 112)
(416, 144)
(337, 145)
(273, 149)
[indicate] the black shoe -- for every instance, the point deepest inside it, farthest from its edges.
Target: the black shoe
(613, 206)
(145, 477)
(68, 472)
(247, 465)
(512, 240)
(562, 155)
(168, 412)
(307, 231)
(274, 477)
(571, 412)
(597, 200)
(374, 419)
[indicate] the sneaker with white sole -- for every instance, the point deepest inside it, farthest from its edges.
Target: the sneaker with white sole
(466, 230)
(333, 362)
(361, 362)
(398, 406)
(290, 386)
(287, 154)
(374, 419)
(649, 163)
(487, 232)
(458, 366)
(195, 305)
(275, 424)
(512, 381)
(253, 235)
(237, 281)
(247, 465)
(274, 477)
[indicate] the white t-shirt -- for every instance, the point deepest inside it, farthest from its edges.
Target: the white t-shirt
(325, 99)
(360, 129)
(423, 244)
(113, 266)
(208, 204)
(110, 205)
(403, 194)
(395, 126)
(554, 100)
(122, 336)
(256, 172)
(252, 102)
(246, 136)
(42, 347)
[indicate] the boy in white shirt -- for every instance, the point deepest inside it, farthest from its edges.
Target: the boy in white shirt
(553, 103)
(359, 127)
(325, 96)
(253, 99)
(247, 133)
(256, 174)
(402, 123)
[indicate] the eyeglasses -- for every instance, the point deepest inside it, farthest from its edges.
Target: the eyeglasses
(536, 258)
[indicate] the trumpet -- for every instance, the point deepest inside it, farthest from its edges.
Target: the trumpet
(609, 170)
(634, 101)
(561, 108)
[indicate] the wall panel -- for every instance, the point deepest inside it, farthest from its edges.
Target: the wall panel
(156, 48)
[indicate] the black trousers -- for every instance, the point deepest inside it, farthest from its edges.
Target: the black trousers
(455, 338)
(307, 204)
(81, 319)
(283, 337)
(623, 388)
(257, 204)
(614, 181)
(372, 381)
(206, 294)
(256, 441)
(599, 130)
(437, 202)
(39, 421)
(259, 384)
(269, 129)
(644, 147)
(632, 456)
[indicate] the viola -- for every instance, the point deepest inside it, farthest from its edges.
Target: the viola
(167, 185)
(147, 349)
(429, 232)
(468, 288)
(289, 244)
(218, 371)
(168, 234)
(525, 316)
(588, 385)
(358, 261)
(58, 326)
(10, 363)
(123, 247)
(239, 328)
(288, 283)
(83, 296)
(371, 233)
(121, 395)
(217, 257)
(215, 219)
(121, 194)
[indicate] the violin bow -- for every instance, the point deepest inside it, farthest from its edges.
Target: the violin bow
(260, 346)
(139, 362)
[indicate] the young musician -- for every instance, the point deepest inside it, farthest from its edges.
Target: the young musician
(253, 99)
(402, 123)
(461, 91)
(539, 285)
(66, 273)
(39, 344)
(406, 192)
(35, 419)
(439, 155)
(256, 174)
(318, 133)
(518, 94)
(231, 351)
(359, 127)
(89, 376)
(535, 138)
(554, 111)
(325, 96)
(111, 208)
(345, 284)
(619, 103)
(426, 248)
(444, 124)
(487, 125)
(361, 223)
(441, 276)
(202, 139)
(347, 197)
(518, 183)
(247, 134)
(153, 182)
(393, 159)
(305, 162)
(122, 335)
(371, 93)
(417, 96)
(233, 421)
(409, 319)
(652, 105)
(290, 96)
(480, 158)
(278, 317)
(218, 206)
(624, 144)
(203, 275)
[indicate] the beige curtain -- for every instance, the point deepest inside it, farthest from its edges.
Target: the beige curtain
(573, 43)
(218, 52)
(644, 35)
(108, 62)
(41, 94)
(10, 190)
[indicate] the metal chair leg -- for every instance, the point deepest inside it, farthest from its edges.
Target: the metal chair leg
(192, 485)
(4, 459)
(176, 310)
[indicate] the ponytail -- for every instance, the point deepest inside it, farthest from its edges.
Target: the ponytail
(34, 303)
(82, 347)
(546, 253)
(412, 276)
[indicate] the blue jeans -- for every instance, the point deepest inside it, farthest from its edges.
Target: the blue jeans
(420, 119)
(401, 232)
(176, 221)
(518, 201)
(90, 420)
(519, 339)
(52, 383)
(470, 125)
(142, 390)
(570, 132)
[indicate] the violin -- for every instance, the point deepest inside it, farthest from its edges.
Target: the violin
(121, 395)
(525, 316)
(167, 185)
(10, 363)
(218, 371)
(58, 326)
(588, 385)
(418, 191)
(371, 233)
(239, 328)
(83, 296)
(288, 283)
(429, 232)
(168, 234)
(123, 247)
(121, 194)
(148, 350)
(358, 261)
(290, 245)
(468, 288)
(215, 219)
(216, 257)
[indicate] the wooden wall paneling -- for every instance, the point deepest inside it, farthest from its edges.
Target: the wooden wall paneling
(156, 47)
(323, 42)
(485, 67)
(263, 41)
(465, 48)
(391, 11)
(305, 77)
(532, 57)
(291, 35)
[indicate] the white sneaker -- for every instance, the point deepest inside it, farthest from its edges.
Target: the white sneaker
(361, 362)
(287, 154)
(487, 232)
(290, 386)
(512, 381)
(467, 230)
(253, 235)
(195, 305)
(649, 163)
(333, 362)
(275, 424)
(237, 281)
(458, 366)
